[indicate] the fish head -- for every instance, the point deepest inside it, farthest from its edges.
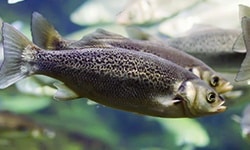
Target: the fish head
(200, 99)
(217, 82)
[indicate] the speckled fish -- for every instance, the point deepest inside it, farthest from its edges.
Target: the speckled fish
(212, 45)
(244, 72)
(126, 80)
(45, 36)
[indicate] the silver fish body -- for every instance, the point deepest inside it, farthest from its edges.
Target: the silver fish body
(212, 44)
(44, 35)
(127, 80)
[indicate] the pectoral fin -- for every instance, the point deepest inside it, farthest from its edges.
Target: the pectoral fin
(171, 103)
(64, 93)
(167, 101)
(90, 102)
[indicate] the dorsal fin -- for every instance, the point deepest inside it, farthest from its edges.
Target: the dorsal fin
(44, 34)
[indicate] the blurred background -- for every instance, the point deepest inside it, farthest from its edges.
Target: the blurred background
(31, 119)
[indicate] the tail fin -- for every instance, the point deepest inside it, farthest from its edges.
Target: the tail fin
(13, 67)
(44, 34)
(239, 45)
(244, 72)
(244, 11)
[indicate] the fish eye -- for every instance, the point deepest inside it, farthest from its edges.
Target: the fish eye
(211, 97)
(214, 81)
(190, 69)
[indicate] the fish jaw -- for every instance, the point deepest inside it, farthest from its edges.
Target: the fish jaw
(218, 107)
(221, 107)
(224, 87)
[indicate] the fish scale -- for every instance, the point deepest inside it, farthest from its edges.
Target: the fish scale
(121, 62)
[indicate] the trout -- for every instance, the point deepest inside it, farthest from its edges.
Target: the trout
(123, 79)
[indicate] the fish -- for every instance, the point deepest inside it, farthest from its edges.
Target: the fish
(244, 122)
(127, 80)
(244, 10)
(1, 46)
(47, 37)
(244, 73)
(210, 44)
(149, 12)
(183, 21)
(17, 24)
(16, 125)
(102, 12)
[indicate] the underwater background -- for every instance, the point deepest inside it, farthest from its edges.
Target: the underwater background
(31, 119)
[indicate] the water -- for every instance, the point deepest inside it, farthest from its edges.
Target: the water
(78, 125)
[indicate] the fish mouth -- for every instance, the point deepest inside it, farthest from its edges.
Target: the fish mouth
(221, 108)
(226, 87)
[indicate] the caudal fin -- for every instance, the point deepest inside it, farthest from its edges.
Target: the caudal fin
(244, 72)
(239, 45)
(13, 67)
(44, 34)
